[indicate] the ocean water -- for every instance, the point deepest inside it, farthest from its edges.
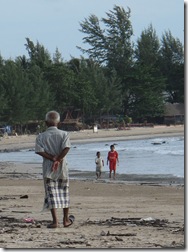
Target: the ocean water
(155, 156)
(150, 156)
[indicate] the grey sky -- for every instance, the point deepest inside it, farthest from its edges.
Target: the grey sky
(55, 23)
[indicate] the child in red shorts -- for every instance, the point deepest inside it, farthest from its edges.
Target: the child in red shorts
(112, 158)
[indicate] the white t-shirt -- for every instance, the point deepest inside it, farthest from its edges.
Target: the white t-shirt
(53, 141)
(99, 162)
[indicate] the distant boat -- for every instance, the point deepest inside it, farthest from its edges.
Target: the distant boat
(157, 143)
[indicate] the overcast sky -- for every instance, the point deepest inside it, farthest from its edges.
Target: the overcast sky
(55, 23)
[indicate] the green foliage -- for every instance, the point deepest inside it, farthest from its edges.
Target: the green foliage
(147, 48)
(61, 83)
(112, 45)
(172, 67)
(25, 94)
(3, 97)
(146, 99)
(38, 54)
(125, 119)
(17, 94)
(148, 83)
(118, 77)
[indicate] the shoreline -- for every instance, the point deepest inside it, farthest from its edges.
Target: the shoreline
(13, 170)
(33, 171)
(15, 143)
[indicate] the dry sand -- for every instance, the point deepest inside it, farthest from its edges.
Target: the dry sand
(108, 214)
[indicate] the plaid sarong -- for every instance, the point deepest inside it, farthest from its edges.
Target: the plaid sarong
(57, 194)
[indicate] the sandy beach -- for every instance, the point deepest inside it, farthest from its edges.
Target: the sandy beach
(107, 214)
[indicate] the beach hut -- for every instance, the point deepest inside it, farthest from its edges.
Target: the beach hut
(174, 113)
(71, 119)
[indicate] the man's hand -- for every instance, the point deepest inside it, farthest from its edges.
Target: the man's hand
(55, 165)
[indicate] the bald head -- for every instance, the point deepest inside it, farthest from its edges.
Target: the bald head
(52, 118)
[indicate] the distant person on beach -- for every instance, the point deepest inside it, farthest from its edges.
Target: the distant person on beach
(112, 159)
(53, 145)
(99, 164)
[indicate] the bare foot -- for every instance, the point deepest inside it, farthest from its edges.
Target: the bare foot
(69, 222)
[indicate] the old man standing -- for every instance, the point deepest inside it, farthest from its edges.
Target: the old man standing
(53, 145)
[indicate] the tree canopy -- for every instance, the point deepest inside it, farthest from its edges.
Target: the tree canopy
(116, 76)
